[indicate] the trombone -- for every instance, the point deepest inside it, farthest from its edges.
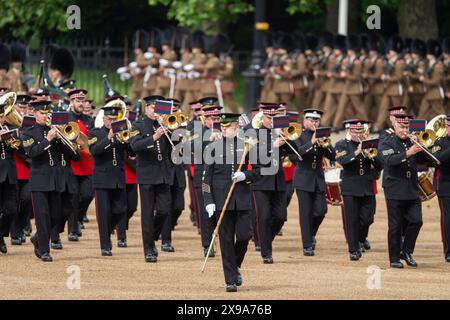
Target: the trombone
(422, 146)
(293, 132)
(67, 134)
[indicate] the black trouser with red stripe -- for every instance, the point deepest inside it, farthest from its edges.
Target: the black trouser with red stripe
(155, 206)
(366, 222)
(177, 194)
(67, 209)
(255, 222)
(207, 224)
(313, 207)
(234, 235)
(47, 215)
(411, 210)
(25, 210)
(132, 199)
(111, 207)
(445, 223)
(81, 202)
(8, 207)
(272, 212)
(358, 216)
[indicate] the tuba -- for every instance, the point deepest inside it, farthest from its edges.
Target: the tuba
(12, 116)
(257, 120)
(438, 125)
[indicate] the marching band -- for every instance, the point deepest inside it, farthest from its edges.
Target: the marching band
(55, 162)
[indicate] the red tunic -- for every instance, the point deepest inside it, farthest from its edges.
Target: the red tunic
(23, 171)
(289, 173)
(85, 166)
(130, 175)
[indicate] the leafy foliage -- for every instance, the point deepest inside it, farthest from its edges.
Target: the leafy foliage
(27, 18)
(193, 13)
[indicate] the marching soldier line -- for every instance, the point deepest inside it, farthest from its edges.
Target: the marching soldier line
(57, 161)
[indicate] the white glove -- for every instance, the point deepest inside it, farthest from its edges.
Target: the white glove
(153, 71)
(239, 176)
(148, 55)
(125, 76)
(193, 75)
(133, 64)
(122, 70)
(136, 71)
(163, 62)
(188, 67)
(210, 208)
(177, 64)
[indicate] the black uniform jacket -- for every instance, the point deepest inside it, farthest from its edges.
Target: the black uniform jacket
(50, 161)
(309, 175)
(109, 155)
(154, 165)
(217, 177)
(400, 179)
(357, 174)
(441, 151)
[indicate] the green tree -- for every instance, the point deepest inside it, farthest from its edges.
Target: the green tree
(27, 18)
(208, 15)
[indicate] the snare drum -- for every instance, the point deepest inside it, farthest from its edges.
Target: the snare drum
(426, 190)
(333, 190)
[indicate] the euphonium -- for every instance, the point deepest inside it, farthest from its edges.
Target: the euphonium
(438, 125)
(12, 116)
(12, 142)
(126, 135)
(183, 118)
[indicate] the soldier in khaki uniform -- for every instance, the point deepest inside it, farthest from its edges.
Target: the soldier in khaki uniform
(433, 101)
(227, 83)
(336, 82)
(182, 85)
(300, 72)
(5, 60)
(372, 71)
(323, 65)
(446, 70)
(265, 70)
(152, 57)
(194, 68)
(414, 68)
(15, 73)
(167, 74)
(283, 86)
(352, 95)
(311, 53)
(210, 69)
(392, 78)
(136, 68)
